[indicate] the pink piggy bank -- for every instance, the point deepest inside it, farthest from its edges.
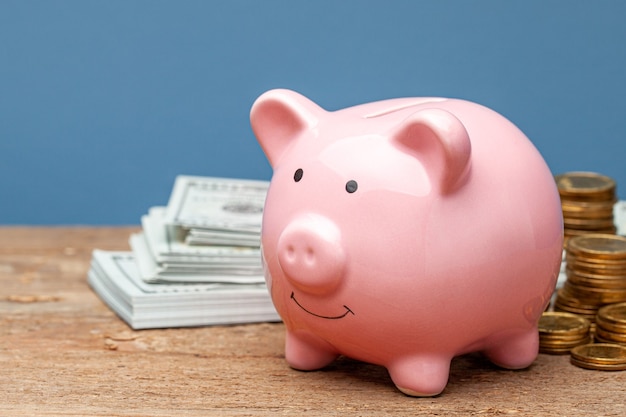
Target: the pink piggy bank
(406, 232)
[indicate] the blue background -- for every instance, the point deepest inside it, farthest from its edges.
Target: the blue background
(103, 103)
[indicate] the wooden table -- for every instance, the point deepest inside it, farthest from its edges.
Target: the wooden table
(63, 352)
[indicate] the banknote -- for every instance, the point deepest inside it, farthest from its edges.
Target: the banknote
(167, 245)
(194, 269)
(221, 237)
(232, 205)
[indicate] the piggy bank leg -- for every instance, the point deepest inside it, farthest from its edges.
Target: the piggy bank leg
(421, 376)
(307, 352)
(515, 351)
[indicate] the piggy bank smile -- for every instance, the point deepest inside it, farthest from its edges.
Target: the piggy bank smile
(327, 317)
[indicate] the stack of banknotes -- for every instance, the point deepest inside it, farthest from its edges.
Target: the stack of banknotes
(196, 261)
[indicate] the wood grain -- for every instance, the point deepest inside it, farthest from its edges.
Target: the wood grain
(64, 353)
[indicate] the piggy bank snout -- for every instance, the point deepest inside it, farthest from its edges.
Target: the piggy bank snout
(311, 255)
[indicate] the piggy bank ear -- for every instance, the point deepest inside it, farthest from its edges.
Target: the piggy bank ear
(440, 141)
(278, 116)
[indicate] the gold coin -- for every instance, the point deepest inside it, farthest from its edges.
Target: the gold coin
(555, 351)
(593, 291)
(601, 353)
(588, 224)
(589, 315)
(581, 184)
(614, 314)
(586, 206)
(564, 344)
(595, 262)
(612, 319)
(588, 210)
(556, 347)
(619, 338)
(599, 296)
(606, 283)
(610, 327)
(599, 246)
(565, 303)
(585, 278)
(573, 232)
(597, 366)
(564, 297)
(556, 323)
(582, 308)
(556, 339)
(599, 356)
(583, 267)
(600, 339)
(595, 271)
(587, 215)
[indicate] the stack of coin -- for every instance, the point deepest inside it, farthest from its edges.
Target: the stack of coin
(596, 274)
(560, 332)
(611, 324)
(599, 356)
(587, 200)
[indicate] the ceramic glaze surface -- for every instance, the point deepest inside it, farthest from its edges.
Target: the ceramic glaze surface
(405, 232)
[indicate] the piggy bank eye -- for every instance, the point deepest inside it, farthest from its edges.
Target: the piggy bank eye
(351, 186)
(297, 176)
